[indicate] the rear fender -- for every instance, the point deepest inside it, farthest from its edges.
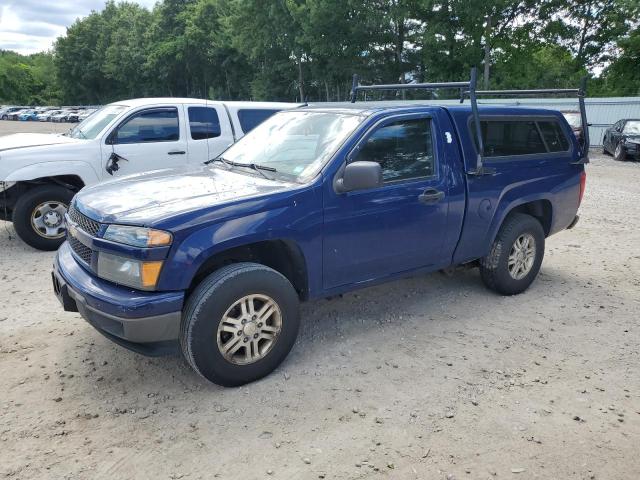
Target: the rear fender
(509, 202)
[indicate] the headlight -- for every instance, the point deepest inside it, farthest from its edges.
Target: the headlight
(128, 271)
(137, 236)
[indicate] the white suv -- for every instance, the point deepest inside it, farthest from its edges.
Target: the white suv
(40, 173)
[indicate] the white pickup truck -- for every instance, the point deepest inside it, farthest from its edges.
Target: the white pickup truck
(40, 173)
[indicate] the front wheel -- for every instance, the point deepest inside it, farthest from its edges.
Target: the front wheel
(620, 153)
(239, 324)
(515, 257)
(38, 216)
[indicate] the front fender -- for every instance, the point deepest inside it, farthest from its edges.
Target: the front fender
(54, 169)
(285, 223)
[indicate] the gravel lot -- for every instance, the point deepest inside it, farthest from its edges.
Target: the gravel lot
(8, 127)
(427, 378)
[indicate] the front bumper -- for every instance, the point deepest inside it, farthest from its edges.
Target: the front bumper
(632, 150)
(145, 322)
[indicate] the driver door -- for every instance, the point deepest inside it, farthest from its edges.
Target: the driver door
(399, 226)
(148, 139)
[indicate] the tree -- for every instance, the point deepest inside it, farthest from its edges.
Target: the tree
(622, 76)
(588, 28)
(27, 79)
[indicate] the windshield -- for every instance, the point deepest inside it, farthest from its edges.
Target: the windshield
(295, 143)
(574, 119)
(94, 124)
(632, 127)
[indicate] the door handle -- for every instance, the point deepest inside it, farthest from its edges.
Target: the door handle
(431, 196)
(176, 152)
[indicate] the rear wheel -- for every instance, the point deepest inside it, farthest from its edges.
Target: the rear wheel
(515, 257)
(239, 324)
(38, 216)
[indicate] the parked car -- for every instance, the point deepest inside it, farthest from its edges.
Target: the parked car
(7, 111)
(15, 115)
(28, 115)
(574, 121)
(86, 113)
(62, 116)
(623, 139)
(312, 203)
(46, 116)
(74, 116)
(39, 173)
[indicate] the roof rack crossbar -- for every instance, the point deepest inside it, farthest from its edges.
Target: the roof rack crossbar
(466, 88)
(540, 91)
(402, 86)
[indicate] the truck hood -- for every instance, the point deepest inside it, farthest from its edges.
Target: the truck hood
(26, 140)
(147, 198)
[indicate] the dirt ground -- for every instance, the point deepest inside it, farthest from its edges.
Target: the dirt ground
(427, 378)
(8, 127)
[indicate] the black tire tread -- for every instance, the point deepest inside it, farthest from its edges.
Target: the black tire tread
(202, 292)
(22, 214)
(489, 264)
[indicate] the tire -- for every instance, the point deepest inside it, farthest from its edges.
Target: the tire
(203, 335)
(495, 270)
(620, 154)
(4, 117)
(29, 212)
(604, 150)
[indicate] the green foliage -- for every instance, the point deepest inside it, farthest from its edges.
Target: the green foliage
(308, 49)
(28, 80)
(622, 77)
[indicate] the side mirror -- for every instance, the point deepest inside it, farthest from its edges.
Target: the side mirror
(359, 176)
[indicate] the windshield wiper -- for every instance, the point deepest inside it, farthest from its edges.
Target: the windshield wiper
(253, 166)
(218, 159)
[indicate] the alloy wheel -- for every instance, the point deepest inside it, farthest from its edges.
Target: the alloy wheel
(522, 256)
(249, 329)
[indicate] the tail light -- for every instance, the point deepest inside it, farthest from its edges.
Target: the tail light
(583, 184)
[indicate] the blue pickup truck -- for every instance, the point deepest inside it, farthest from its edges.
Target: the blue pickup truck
(317, 201)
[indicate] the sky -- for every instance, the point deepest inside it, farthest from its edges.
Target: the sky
(30, 26)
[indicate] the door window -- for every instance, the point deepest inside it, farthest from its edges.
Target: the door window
(150, 126)
(404, 150)
(203, 123)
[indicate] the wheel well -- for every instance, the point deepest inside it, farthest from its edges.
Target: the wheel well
(539, 209)
(282, 255)
(72, 182)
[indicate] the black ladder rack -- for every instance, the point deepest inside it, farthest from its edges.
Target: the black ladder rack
(468, 89)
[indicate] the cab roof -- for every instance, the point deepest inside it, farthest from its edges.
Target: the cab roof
(141, 102)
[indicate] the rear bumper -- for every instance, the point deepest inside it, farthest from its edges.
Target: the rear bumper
(573, 222)
(145, 322)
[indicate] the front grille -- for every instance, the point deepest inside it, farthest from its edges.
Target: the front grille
(84, 223)
(80, 249)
